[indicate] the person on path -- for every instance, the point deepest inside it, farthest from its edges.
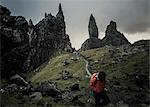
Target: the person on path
(97, 84)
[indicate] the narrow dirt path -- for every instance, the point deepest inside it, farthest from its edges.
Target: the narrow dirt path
(78, 55)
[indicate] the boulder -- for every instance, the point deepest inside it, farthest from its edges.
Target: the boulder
(36, 96)
(10, 88)
(65, 75)
(65, 63)
(74, 87)
(17, 79)
(70, 96)
(49, 88)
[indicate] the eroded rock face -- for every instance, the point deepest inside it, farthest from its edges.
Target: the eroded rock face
(92, 27)
(114, 37)
(25, 46)
(91, 43)
(14, 43)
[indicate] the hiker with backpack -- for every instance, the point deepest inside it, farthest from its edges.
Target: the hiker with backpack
(97, 84)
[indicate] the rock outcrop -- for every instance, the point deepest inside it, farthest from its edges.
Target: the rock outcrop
(93, 41)
(14, 42)
(143, 43)
(114, 37)
(25, 46)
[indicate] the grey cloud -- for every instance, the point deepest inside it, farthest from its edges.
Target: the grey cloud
(132, 16)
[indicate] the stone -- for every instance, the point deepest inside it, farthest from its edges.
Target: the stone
(74, 59)
(75, 99)
(17, 79)
(65, 75)
(74, 87)
(58, 98)
(10, 88)
(49, 88)
(70, 96)
(36, 96)
(65, 63)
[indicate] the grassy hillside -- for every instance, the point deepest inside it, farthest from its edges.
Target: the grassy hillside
(121, 64)
(127, 68)
(53, 69)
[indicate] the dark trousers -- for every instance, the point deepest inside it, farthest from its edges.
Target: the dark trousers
(101, 99)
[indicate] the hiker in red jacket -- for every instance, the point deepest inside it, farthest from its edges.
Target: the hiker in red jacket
(97, 84)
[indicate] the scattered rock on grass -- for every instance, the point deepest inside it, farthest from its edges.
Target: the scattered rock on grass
(74, 87)
(17, 79)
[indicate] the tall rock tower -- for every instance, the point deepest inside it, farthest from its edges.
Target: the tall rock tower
(93, 41)
(92, 27)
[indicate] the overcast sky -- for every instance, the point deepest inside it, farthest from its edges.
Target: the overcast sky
(132, 16)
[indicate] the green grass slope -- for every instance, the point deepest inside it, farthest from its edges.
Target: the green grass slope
(119, 63)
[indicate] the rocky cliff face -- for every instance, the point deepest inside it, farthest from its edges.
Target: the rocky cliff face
(93, 41)
(114, 37)
(25, 46)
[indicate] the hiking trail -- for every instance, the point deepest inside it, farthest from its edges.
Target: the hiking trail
(78, 55)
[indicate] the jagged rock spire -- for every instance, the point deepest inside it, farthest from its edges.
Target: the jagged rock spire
(30, 23)
(92, 27)
(111, 27)
(113, 36)
(45, 14)
(60, 13)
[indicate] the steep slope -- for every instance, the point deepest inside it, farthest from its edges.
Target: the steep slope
(127, 70)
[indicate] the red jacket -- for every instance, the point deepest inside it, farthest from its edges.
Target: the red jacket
(96, 85)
